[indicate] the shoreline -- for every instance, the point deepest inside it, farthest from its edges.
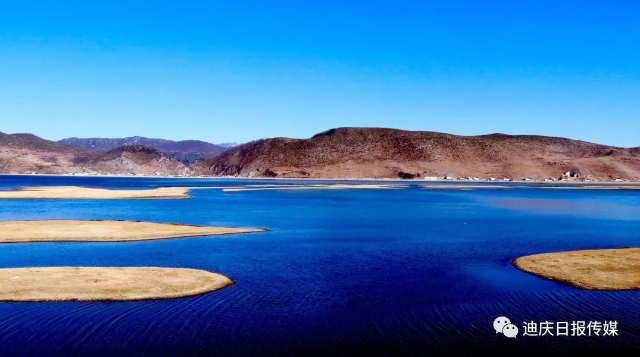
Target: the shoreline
(500, 182)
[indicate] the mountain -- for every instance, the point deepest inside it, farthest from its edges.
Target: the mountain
(228, 145)
(136, 159)
(341, 153)
(32, 142)
(20, 153)
(27, 153)
(391, 153)
(186, 151)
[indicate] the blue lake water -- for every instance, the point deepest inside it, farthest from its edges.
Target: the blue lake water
(340, 272)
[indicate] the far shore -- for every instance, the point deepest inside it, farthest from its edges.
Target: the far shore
(104, 231)
(593, 269)
(369, 179)
(106, 283)
(77, 192)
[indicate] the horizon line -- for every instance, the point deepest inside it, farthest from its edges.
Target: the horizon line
(320, 132)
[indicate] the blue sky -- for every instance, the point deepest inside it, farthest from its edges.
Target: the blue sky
(244, 70)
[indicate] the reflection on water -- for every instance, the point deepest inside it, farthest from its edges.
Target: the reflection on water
(380, 272)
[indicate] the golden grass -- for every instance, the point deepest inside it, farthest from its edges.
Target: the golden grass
(598, 269)
(75, 192)
(104, 231)
(105, 283)
(312, 187)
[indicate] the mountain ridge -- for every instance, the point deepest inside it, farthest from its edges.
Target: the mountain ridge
(28, 153)
(387, 153)
(376, 153)
(185, 151)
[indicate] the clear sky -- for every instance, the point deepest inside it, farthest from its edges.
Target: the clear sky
(241, 70)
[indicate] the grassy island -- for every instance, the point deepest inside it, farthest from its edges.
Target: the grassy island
(106, 283)
(596, 269)
(75, 192)
(104, 231)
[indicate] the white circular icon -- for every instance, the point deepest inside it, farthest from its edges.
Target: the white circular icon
(510, 330)
(500, 323)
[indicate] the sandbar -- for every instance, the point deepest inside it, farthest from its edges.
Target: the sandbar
(465, 187)
(596, 269)
(75, 192)
(106, 283)
(104, 231)
(313, 187)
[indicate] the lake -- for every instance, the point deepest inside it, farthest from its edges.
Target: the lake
(340, 272)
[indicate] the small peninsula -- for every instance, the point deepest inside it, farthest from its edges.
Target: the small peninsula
(595, 269)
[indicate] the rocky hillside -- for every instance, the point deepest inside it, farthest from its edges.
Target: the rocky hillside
(136, 159)
(27, 153)
(186, 151)
(390, 153)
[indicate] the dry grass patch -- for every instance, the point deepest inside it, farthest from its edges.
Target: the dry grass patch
(104, 231)
(106, 283)
(598, 269)
(75, 192)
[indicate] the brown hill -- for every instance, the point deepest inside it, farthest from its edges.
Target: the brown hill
(388, 153)
(27, 153)
(32, 142)
(135, 159)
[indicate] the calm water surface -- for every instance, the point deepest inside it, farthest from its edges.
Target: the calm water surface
(340, 272)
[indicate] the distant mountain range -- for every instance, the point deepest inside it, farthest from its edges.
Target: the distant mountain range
(27, 153)
(186, 151)
(391, 153)
(336, 153)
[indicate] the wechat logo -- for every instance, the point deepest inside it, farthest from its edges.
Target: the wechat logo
(504, 326)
